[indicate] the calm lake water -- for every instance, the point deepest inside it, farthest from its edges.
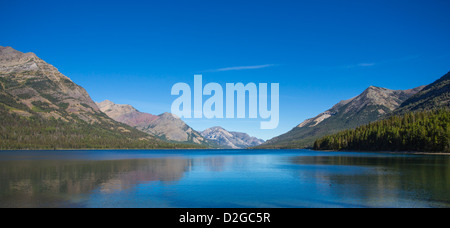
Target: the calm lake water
(222, 178)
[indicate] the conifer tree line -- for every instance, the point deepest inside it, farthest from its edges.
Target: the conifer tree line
(18, 132)
(425, 131)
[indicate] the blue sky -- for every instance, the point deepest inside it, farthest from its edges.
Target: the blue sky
(321, 52)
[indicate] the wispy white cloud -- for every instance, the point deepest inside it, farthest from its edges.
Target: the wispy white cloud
(359, 65)
(388, 61)
(366, 64)
(242, 68)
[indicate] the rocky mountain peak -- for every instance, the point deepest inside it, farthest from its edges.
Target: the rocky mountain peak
(105, 103)
(377, 96)
(126, 114)
(114, 110)
(216, 128)
(372, 104)
(233, 140)
(40, 86)
(214, 131)
(10, 53)
(169, 116)
(11, 60)
(166, 126)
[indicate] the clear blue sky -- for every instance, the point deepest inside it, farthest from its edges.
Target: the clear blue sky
(319, 51)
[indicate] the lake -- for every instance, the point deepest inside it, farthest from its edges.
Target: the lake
(222, 178)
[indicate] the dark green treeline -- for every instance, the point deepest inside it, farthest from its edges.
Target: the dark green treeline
(427, 131)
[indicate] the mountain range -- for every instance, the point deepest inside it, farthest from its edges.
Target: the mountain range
(169, 127)
(165, 126)
(420, 124)
(40, 108)
(371, 105)
(231, 140)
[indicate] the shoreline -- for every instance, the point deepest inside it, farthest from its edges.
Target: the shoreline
(245, 149)
(390, 152)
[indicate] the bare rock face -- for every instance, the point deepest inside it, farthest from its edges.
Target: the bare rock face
(233, 140)
(166, 126)
(371, 105)
(28, 80)
(371, 97)
(173, 128)
(126, 114)
(376, 96)
(32, 88)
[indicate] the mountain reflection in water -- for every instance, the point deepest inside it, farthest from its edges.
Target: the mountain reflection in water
(23, 183)
(238, 178)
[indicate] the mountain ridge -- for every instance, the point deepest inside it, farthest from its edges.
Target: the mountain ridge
(372, 104)
(419, 124)
(436, 94)
(39, 84)
(40, 108)
(230, 139)
(165, 126)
